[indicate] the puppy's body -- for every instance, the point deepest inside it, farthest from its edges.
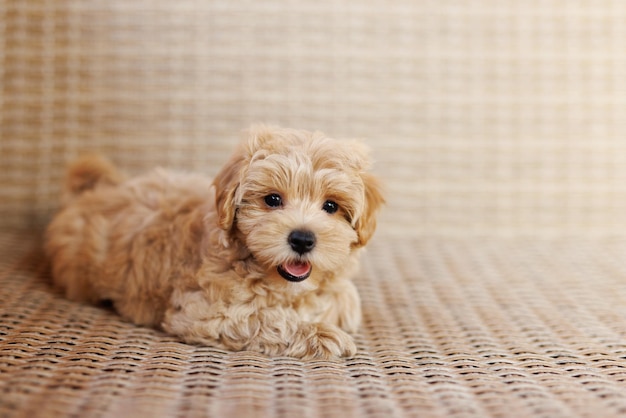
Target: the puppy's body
(258, 259)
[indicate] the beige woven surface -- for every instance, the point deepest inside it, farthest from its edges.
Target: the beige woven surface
(452, 328)
(487, 117)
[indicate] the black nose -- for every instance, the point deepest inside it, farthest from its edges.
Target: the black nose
(301, 241)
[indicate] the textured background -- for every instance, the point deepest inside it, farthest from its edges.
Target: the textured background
(487, 117)
(491, 121)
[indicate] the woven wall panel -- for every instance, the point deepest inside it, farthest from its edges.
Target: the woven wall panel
(487, 117)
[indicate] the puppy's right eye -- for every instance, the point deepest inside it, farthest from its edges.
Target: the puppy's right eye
(273, 200)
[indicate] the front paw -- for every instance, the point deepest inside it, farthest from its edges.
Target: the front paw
(322, 341)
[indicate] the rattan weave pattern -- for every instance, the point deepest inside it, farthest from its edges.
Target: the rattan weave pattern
(486, 117)
(452, 328)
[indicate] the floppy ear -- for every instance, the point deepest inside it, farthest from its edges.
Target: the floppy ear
(366, 224)
(228, 180)
(226, 183)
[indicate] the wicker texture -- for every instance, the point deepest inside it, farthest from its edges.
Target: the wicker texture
(487, 117)
(451, 328)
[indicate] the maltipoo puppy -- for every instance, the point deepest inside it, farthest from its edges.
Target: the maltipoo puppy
(260, 258)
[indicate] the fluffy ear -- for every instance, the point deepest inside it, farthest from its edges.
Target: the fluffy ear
(226, 183)
(228, 180)
(366, 224)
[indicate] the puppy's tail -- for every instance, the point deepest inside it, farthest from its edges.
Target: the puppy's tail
(88, 172)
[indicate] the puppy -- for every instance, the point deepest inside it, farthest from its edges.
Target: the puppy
(259, 259)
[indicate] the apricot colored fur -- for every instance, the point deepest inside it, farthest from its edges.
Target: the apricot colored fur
(198, 257)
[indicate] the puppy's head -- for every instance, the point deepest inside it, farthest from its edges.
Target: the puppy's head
(300, 202)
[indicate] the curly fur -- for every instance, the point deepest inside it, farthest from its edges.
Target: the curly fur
(200, 258)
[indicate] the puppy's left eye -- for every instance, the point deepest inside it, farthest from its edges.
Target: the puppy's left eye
(330, 207)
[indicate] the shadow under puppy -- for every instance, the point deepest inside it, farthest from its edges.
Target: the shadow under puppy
(259, 259)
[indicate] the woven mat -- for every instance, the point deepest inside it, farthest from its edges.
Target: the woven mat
(487, 118)
(452, 328)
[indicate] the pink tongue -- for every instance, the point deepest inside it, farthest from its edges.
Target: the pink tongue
(297, 269)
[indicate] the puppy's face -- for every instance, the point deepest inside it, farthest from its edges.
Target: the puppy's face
(302, 203)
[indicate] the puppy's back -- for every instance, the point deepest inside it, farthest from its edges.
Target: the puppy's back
(127, 241)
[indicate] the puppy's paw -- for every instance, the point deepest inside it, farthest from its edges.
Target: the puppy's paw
(324, 341)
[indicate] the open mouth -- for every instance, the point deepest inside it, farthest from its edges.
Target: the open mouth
(296, 271)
